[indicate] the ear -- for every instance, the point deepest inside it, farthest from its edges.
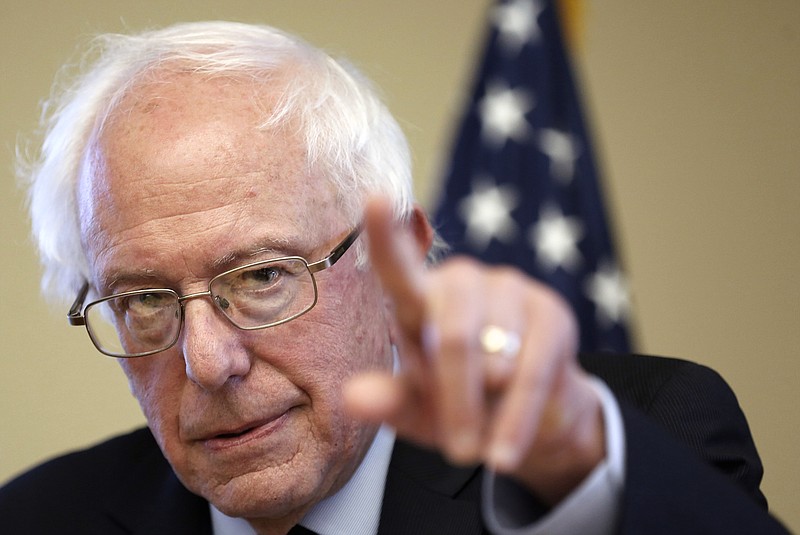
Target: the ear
(421, 229)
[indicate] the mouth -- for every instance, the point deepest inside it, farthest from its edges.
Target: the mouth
(230, 438)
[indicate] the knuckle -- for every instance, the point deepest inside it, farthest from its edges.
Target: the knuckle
(455, 341)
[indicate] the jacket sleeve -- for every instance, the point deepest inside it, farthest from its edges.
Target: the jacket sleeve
(687, 440)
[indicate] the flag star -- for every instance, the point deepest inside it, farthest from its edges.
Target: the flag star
(555, 238)
(486, 213)
(608, 290)
(502, 111)
(562, 149)
(517, 23)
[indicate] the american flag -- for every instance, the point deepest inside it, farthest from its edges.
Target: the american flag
(522, 187)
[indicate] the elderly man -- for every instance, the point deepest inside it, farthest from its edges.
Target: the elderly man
(232, 209)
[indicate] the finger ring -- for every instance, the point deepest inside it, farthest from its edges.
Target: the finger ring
(495, 340)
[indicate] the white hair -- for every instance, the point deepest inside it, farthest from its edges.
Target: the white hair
(349, 135)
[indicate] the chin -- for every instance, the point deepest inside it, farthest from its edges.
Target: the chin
(274, 493)
(263, 496)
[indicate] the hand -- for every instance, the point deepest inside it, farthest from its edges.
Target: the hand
(534, 417)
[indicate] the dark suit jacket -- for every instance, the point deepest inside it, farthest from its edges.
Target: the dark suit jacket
(708, 484)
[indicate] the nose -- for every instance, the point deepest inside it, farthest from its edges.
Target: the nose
(212, 347)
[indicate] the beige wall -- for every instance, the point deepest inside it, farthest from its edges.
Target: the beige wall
(696, 113)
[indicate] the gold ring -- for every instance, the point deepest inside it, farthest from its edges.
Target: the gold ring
(495, 340)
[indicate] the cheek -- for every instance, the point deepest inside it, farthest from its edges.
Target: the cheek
(344, 335)
(154, 384)
(358, 328)
(372, 324)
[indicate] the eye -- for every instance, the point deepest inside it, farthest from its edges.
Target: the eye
(260, 277)
(149, 300)
(263, 275)
(143, 302)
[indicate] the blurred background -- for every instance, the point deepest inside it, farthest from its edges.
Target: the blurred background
(694, 114)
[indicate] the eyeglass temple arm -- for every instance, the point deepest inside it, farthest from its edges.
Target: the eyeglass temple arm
(337, 253)
(75, 316)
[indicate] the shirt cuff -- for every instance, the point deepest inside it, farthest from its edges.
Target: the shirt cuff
(591, 509)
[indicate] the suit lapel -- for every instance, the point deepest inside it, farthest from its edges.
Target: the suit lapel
(424, 495)
(151, 500)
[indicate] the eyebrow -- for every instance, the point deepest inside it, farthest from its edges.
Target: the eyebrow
(107, 283)
(273, 246)
(236, 257)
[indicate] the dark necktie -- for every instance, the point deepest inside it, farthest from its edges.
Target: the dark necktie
(300, 530)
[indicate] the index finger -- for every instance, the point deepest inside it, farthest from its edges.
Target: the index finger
(399, 263)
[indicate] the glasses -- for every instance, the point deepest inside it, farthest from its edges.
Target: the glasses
(254, 296)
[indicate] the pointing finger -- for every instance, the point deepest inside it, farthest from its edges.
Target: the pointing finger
(399, 265)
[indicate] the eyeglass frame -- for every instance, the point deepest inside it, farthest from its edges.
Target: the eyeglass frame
(76, 317)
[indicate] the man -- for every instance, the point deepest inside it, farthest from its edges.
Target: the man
(230, 210)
